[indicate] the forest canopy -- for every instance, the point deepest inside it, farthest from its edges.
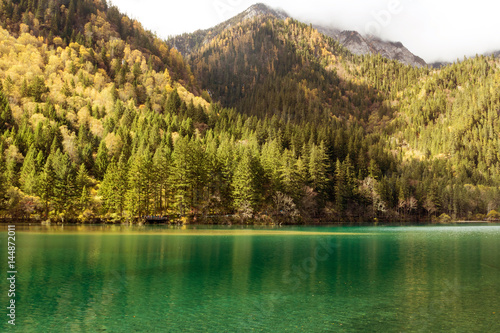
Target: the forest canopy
(269, 121)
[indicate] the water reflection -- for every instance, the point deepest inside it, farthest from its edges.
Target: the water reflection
(378, 280)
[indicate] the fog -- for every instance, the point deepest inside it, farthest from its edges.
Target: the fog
(442, 30)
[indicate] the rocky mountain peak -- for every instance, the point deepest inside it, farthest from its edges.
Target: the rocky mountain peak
(363, 45)
(262, 9)
(352, 40)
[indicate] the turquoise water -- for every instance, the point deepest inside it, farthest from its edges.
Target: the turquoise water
(155, 279)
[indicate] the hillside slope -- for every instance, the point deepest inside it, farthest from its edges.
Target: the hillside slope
(351, 40)
(299, 128)
(94, 25)
(267, 66)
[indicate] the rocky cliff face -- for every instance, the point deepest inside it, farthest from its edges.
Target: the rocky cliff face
(361, 45)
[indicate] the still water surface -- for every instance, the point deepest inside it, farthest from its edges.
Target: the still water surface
(311, 279)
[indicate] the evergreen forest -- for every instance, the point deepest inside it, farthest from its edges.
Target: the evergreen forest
(264, 121)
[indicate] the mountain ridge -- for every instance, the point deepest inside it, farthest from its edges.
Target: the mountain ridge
(189, 42)
(363, 45)
(351, 40)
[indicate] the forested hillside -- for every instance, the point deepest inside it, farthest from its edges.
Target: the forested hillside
(94, 25)
(438, 127)
(270, 121)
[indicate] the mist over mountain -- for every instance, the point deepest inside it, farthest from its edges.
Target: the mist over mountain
(495, 54)
(352, 40)
(363, 45)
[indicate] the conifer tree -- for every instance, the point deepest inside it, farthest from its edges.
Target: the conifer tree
(182, 175)
(84, 200)
(65, 191)
(82, 178)
(245, 189)
(340, 187)
(28, 175)
(102, 160)
(318, 167)
(139, 194)
(46, 185)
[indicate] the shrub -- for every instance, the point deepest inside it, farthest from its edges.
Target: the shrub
(444, 218)
(493, 215)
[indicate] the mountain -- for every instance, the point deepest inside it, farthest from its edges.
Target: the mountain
(351, 40)
(86, 94)
(261, 9)
(361, 45)
(265, 120)
(260, 52)
(286, 70)
(256, 64)
(190, 42)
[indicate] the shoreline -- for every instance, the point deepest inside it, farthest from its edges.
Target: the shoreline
(227, 222)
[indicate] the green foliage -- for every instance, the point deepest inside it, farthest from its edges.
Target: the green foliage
(245, 182)
(102, 159)
(35, 89)
(493, 215)
(444, 218)
(108, 119)
(45, 188)
(28, 174)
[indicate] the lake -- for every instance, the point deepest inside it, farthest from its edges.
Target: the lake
(234, 279)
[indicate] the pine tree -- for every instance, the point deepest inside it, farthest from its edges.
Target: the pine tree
(174, 102)
(114, 187)
(27, 178)
(373, 170)
(350, 179)
(318, 167)
(102, 160)
(82, 178)
(271, 163)
(6, 118)
(84, 200)
(107, 187)
(46, 185)
(245, 190)
(200, 176)
(340, 187)
(182, 175)
(161, 175)
(121, 181)
(227, 163)
(140, 181)
(289, 175)
(65, 193)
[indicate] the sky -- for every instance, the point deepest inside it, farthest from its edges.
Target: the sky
(436, 30)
